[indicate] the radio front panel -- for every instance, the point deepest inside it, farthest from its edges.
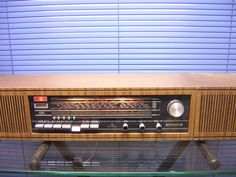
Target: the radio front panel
(107, 114)
(120, 107)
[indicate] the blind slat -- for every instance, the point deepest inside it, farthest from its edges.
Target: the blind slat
(177, 57)
(78, 19)
(64, 52)
(65, 57)
(176, 6)
(174, 62)
(170, 23)
(170, 67)
(53, 7)
(14, 3)
(64, 46)
(179, 1)
(64, 62)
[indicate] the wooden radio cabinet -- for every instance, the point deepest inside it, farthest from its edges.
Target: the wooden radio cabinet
(118, 107)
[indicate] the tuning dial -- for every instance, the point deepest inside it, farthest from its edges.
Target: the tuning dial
(125, 126)
(175, 108)
(142, 127)
(158, 127)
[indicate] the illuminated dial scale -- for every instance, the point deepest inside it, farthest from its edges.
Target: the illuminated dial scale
(112, 114)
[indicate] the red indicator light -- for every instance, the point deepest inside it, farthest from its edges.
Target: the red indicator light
(40, 98)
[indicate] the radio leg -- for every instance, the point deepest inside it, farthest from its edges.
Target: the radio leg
(173, 155)
(38, 155)
(211, 158)
(61, 147)
(68, 155)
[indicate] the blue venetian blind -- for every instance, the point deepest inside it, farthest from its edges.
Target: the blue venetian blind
(111, 36)
(64, 36)
(5, 52)
(175, 35)
(232, 56)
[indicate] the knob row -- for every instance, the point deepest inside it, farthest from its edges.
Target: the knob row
(142, 127)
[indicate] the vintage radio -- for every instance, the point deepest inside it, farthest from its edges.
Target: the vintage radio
(118, 107)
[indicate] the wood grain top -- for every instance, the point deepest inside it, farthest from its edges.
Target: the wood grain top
(117, 81)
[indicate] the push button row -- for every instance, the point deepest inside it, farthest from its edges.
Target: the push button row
(78, 128)
(74, 128)
(64, 126)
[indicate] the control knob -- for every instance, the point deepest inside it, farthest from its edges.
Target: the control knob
(125, 126)
(175, 108)
(158, 127)
(142, 127)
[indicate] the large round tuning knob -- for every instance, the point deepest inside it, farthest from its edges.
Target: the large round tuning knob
(175, 108)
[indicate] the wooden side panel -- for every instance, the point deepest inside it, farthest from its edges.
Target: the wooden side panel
(12, 114)
(217, 113)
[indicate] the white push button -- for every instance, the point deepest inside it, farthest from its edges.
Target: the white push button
(38, 125)
(67, 126)
(75, 128)
(84, 126)
(57, 125)
(94, 125)
(48, 125)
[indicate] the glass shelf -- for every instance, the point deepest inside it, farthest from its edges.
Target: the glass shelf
(87, 174)
(160, 158)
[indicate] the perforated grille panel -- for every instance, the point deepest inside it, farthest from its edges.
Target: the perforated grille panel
(218, 112)
(12, 114)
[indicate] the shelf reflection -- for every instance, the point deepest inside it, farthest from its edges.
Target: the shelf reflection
(115, 158)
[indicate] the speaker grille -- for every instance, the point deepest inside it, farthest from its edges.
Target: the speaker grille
(12, 114)
(218, 112)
